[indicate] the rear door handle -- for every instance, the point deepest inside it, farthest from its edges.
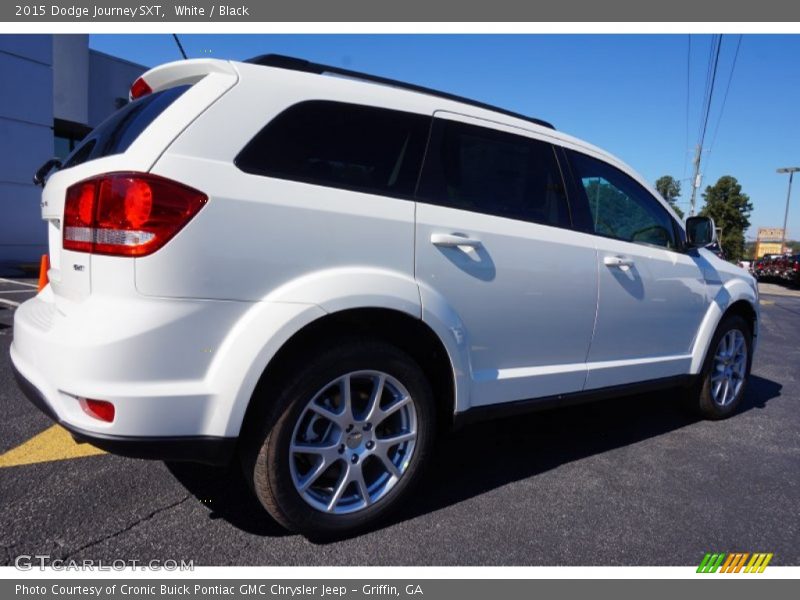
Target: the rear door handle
(454, 240)
(622, 262)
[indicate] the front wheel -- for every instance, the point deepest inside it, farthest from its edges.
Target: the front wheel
(346, 439)
(726, 370)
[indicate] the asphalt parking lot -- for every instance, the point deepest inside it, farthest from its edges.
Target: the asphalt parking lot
(635, 481)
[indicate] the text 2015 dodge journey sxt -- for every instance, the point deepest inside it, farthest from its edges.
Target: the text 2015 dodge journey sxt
(315, 274)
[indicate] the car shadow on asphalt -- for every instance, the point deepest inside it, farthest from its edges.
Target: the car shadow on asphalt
(484, 456)
(226, 495)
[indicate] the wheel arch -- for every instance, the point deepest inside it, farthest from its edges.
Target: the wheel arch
(734, 297)
(744, 309)
(410, 334)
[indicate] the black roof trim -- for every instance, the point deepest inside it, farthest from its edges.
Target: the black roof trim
(298, 64)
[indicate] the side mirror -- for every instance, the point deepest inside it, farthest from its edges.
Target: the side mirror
(700, 232)
(43, 171)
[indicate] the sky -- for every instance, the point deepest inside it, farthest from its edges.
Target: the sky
(639, 97)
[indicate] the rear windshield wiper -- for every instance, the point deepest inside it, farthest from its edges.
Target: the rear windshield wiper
(43, 171)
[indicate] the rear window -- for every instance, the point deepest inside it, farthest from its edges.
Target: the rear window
(341, 145)
(118, 132)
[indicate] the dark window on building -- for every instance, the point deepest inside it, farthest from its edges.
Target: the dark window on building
(67, 135)
(120, 130)
(62, 146)
(619, 206)
(341, 145)
(493, 172)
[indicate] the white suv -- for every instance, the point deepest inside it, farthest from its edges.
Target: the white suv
(316, 270)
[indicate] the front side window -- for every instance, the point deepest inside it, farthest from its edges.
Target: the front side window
(335, 144)
(619, 206)
(493, 172)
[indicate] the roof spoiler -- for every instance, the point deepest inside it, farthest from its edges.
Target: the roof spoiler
(181, 72)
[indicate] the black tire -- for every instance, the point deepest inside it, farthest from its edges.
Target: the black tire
(266, 455)
(702, 397)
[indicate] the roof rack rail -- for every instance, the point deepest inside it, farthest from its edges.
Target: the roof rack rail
(298, 64)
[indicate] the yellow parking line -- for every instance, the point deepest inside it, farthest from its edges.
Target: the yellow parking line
(54, 443)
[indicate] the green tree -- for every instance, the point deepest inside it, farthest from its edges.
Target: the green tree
(670, 190)
(730, 208)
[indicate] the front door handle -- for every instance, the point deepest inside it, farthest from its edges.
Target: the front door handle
(622, 262)
(454, 240)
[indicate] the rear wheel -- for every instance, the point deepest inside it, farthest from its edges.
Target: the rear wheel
(726, 369)
(345, 440)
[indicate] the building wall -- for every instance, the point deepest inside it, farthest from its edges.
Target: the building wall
(110, 79)
(46, 77)
(71, 78)
(26, 141)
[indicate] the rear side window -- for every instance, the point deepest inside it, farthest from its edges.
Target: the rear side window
(341, 145)
(118, 132)
(493, 172)
(620, 207)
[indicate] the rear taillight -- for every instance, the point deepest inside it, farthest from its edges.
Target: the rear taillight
(139, 88)
(127, 214)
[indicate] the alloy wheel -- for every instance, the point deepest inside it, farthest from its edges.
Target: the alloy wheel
(353, 442)
(729, 368)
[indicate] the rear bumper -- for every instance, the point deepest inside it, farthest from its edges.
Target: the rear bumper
(180, 372)
(204, 449)
(149, 357)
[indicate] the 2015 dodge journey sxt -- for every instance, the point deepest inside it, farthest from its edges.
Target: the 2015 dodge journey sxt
(314, 274)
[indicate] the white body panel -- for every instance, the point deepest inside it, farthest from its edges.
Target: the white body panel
(527, 297)
(648, 313)
(726, 285)
(280, 233)
(178, 340)
(170, 367)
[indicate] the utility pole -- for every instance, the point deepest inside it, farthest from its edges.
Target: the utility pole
(791, 171)
(695, 179)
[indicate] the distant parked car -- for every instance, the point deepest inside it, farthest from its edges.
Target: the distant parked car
(758, 268)
(780, 266)
(793, 269)
(767, 269)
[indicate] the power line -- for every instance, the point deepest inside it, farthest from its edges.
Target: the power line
(709, 65)
(725, 97)
(688, 93)
(711, 79)
(711, 91)
(727, 89)
(180, 46)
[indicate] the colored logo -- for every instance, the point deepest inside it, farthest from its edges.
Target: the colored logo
(734, 562)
